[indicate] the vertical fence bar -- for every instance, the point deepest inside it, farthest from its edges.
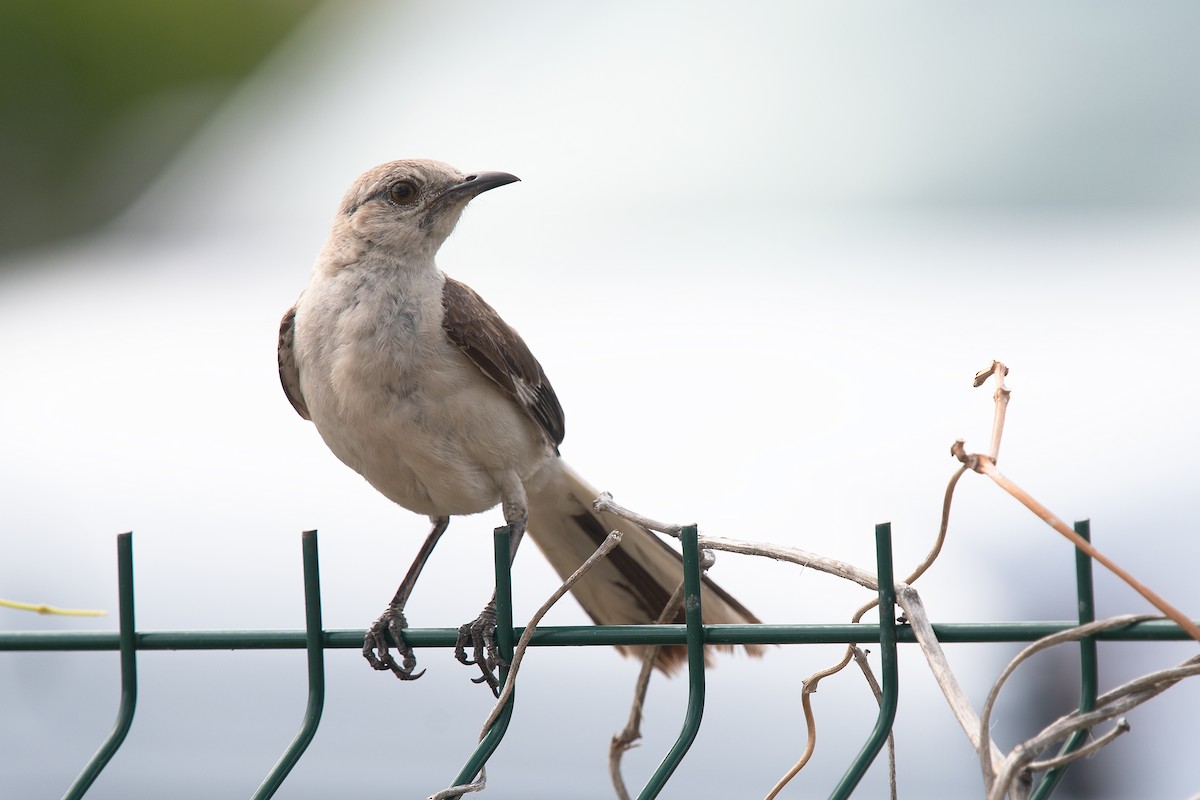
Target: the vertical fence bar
(315, 645)
(695, 650)
(504, 641)
(504, 621)
(890, 667)
(128, 640)
(1088, 662)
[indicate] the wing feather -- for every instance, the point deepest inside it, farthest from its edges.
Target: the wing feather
(289, 373)
(500, 353)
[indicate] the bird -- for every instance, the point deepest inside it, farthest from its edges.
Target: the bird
(416, 383)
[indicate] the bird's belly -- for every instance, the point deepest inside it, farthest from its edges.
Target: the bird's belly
(437, 450)
(407, 476)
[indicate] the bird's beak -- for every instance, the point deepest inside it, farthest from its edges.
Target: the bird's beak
(476, 184)
(471, 186)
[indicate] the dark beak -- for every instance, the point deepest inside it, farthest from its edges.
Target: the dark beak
(477, 184)
(471, 186)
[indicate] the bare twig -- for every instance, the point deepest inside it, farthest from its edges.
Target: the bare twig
(1015, 771)
(605, 503)
(984, 465)
(1073, 634)
(610, 541)
(628, 737)
(860, 658)
(460, 790)
(811, 683)
(1093, 746)
(1018, 766)
(794, 555)
(988, 468)
(1001, 397)
(1009, 775)
(984, 374)
(810, 723)
(936, 550)
(830, 566)
(918, 619)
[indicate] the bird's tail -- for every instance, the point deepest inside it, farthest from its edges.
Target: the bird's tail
(633, 584)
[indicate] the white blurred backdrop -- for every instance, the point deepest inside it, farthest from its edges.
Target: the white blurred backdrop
(760, 251)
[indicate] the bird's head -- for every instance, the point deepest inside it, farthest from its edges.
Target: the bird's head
(412, 206)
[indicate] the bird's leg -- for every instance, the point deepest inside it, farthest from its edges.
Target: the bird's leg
(392, 619)
(480, 633)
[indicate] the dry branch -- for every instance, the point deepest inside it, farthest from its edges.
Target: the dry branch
(918, 619)
(1009, 775)
(1019, 765)
(611, 541)
(632, 732)
(811, 683)
(794, 555)
(860, 658)
(984, 465)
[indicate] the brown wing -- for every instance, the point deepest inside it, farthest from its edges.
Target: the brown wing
(498, 350)
(289, 373)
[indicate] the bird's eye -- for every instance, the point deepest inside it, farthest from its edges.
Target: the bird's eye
(403, 192)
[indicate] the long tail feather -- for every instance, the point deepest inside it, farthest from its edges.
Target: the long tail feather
(633, 584)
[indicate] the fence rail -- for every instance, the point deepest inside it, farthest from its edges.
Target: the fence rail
(315, 639)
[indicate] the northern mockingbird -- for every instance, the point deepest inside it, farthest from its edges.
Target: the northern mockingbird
(417, 384)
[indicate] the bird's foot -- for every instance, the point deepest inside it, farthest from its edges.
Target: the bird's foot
(480, 635)
(391, 621)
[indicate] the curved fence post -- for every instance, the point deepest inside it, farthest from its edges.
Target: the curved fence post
(695, 655)
(315, 645)
(889, 680)
(1088, 678)
(128, 645)
(504, 642)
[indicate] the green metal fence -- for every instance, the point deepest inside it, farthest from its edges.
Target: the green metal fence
(315, 639)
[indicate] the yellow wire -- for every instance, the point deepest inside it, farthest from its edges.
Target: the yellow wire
(42, 608)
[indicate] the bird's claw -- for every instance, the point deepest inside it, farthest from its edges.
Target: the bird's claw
(480, 634)
(391, 621)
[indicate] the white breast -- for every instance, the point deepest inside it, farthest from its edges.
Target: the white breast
(397, 402)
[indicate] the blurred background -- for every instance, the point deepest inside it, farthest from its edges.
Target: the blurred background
(761, 251)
